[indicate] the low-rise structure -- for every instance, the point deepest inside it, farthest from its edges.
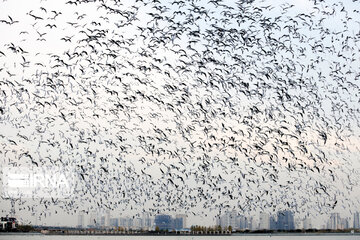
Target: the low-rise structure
(8, 224)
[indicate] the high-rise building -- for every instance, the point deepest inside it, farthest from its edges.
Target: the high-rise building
(298, 223)
(243, 223)
(344, 223)
(138, 223)
(334, 221)
(100, 218)
(307, 223)
(130, 223)
(231, 219)
(223, 220)
(102, 221)
(356, 223)
(251, 223)
(164, 222)
(237, 222)
(126, 222)
(80, 221)
(264, 221)
(114, 222)
(178, 223)
(122, 222)
(273, 223)
(183, 217)
(285, 220)
(240, 222)
(93, 220)
(107, 218)
(232, 216)
(147, 221)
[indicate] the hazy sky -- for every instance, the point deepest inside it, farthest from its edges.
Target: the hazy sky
(183, 107)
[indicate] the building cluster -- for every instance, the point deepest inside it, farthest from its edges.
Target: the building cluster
(8, 223)
(144, 222)
(166, 222)
(284, 220)
(335, 222)
(235, 221)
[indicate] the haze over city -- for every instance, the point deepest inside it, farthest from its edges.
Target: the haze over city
(179, 107)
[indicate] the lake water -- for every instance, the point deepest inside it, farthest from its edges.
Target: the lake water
(245, 237)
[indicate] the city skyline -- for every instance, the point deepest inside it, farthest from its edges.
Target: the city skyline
(262, 221)
(187, 107)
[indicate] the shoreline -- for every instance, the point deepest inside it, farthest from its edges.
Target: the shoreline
(297, 234)
(183, 234)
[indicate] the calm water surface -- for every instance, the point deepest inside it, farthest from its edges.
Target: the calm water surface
(252, 237)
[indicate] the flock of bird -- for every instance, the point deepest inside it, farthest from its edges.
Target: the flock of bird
(184, 105)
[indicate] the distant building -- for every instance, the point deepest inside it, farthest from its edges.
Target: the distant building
(126, 222)
(8, 223)
(183, 217)
(334, 221)
(243, 223)
(223, 220)
(178, 223)
(356, 223)
(251, 223)
(80, 221)
(147, 221)
(285, 220)
(264, 221)
(164, 222)
(307, 223)
(345, 223)
(122, 222)
(107, 218)
(273, 223)
(138, 223)
(236, 221)
(114, 222)
(232, 219)
(298, 223)
(102, 221)
(93, 220)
